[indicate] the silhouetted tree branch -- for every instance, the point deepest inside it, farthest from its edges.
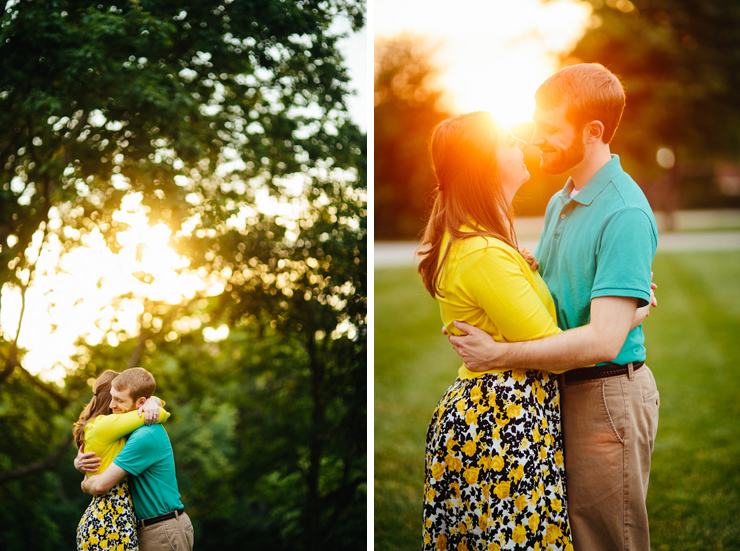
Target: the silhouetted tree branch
(48, 389)
(43, 465)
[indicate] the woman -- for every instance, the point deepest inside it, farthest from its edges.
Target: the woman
(494, 462)
(108, 522)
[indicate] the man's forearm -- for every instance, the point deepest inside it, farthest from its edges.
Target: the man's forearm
(101, 483)
(92, 486)
(599, 341)
(574, 348)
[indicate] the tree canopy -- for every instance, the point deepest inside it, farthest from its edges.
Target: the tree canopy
(407, 108)
(198, 109)
(678, 60)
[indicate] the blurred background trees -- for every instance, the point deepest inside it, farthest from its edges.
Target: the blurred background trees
(678, 138)
(197, 113)
(678, 60)
(407, 108)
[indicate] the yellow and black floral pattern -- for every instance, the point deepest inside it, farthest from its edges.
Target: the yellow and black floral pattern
(495, 477)
(109, 523)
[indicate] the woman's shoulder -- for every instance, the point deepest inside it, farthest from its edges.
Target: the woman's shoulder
(483, 243)
(91, 424)
(97, 419)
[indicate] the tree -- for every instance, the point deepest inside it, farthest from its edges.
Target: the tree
(678, 60)
(407, 108)
(304, 290)
(196, 107)
(97, 101)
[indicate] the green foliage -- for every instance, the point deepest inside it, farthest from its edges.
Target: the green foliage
(243, 431)
(197, 106)
(678, 60)
(33, 428)
(151, 90)
(406, 112)
(692, 350)
(309, 294)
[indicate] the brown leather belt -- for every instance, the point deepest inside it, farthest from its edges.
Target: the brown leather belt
(160, 518)
(600, 372)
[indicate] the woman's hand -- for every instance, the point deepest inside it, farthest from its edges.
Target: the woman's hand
(642, 313)
(86, 462)
(150, 409)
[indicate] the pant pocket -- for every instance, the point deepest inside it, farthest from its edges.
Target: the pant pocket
(650, 392)
(614, 407)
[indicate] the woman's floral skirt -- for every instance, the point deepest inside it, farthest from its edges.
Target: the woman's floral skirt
(494, 476)
(109, 522)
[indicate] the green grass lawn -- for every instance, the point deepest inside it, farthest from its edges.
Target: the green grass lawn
(693, 342)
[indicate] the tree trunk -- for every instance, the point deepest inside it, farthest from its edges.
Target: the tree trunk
(313, 502)
(43, 465)
(136, 354)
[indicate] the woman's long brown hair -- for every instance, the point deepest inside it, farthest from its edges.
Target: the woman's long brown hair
(468, 193)
(99, 405)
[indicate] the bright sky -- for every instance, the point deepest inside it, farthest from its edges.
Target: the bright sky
(493, 53)
(355, 50)
(79, 299)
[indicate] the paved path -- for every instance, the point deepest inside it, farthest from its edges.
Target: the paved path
(396, 254)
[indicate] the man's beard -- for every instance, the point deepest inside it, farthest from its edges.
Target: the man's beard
(564, 160)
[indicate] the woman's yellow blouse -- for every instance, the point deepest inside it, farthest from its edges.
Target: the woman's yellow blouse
(488, 284)
(104, 435)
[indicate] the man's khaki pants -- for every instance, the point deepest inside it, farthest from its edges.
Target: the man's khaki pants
(609, 428)
(173, 534)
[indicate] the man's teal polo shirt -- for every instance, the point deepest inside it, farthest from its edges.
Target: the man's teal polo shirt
(599, 243)
(148, 456)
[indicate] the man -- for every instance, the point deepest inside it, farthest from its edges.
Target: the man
(148, 458)
(595, 254)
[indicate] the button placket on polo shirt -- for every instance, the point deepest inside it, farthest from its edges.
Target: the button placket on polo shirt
(565, 211)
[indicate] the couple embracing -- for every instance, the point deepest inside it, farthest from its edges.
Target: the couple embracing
(544, 439)
(130, 469)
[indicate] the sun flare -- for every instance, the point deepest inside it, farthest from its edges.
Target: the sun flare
(493, 54)
(74, 293)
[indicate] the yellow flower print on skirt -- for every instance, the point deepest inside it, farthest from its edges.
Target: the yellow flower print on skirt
(109, 522)
(495, 477)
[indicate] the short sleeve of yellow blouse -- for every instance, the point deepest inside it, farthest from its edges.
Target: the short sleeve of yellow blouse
(486, 283)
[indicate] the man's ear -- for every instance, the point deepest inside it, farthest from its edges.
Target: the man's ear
(140, 402)
(593, 131)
